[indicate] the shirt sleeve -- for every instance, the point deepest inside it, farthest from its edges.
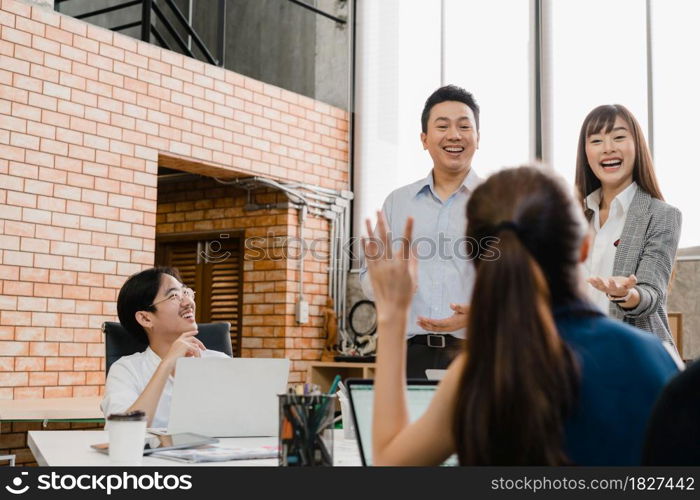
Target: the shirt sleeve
(121, 389)
(656, 264)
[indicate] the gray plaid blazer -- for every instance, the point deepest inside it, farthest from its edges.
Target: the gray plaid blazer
(647, 249)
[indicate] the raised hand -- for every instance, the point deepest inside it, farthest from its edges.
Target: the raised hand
(393, 276)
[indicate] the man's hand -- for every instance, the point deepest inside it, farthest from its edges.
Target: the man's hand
(455, 322)
(186, 345)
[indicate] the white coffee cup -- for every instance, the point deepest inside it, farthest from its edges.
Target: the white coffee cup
(127, 434)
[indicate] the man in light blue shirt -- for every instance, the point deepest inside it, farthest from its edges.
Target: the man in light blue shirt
(450, 134)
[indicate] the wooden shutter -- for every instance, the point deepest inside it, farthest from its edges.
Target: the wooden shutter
(213, 268)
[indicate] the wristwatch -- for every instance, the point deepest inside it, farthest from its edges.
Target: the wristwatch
(620, 299)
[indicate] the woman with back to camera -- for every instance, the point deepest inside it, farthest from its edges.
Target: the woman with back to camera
(545, 378)
(635, 232)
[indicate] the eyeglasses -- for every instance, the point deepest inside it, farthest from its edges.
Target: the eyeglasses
(177, 296)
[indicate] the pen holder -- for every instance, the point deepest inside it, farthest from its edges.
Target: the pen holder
(306, 430)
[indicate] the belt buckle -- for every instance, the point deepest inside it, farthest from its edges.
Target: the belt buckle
(441, 341)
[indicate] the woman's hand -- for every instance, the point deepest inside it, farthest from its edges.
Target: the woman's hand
(455, 322)
(616, 286)
(393, 276)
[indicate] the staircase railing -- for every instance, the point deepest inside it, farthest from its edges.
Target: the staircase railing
(157, 9)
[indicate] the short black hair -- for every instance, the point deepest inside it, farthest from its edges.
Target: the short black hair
(137, 294)
(448, 93)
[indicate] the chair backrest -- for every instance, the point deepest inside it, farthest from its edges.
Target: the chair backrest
(119, 342)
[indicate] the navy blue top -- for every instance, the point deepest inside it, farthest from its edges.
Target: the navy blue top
(622, 372)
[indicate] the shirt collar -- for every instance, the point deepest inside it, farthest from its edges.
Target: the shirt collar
(152, 357)
(624, 198)
(154, 360)
(470, 182)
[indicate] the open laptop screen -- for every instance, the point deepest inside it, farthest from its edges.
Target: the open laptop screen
(361, 393)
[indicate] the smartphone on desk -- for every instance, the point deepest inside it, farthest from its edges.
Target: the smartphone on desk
(166, 442)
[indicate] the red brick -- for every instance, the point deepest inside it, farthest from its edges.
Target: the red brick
(18, 288)
(95, 378)
(43, 378)
(59, 364)
(21, 199)
(31, 304)
(18, 258)
(86, 391)
(63, 277)
(36, 216)
(43, 349)
(35, 245)
(29, 364)
(7, 364)
(47, 290)
(38, 187)
(8, 379)
(9, 348)
(71, 378)
(58, 392)
(28, 393)
(72, 349)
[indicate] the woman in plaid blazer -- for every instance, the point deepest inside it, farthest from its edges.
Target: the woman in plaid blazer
(635, 232)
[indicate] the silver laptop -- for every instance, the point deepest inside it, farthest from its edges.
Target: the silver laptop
(227, 397)
(435, 374)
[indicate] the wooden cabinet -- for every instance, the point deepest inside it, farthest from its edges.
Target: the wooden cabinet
(322, 373)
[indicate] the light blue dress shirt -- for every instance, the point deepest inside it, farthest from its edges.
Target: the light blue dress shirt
(445, 269)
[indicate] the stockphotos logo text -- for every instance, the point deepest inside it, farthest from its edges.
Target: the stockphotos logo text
(105, 482)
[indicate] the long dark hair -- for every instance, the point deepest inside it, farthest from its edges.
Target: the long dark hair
(520, 380)
(600, 119)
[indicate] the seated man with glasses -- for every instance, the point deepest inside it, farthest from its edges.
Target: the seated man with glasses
(156, 306)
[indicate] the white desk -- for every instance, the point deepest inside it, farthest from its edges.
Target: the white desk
(72, 448)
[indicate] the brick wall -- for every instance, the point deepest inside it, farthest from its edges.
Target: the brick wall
(86, 116)
(13, 437)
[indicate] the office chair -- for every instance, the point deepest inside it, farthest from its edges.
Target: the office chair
(119, 342)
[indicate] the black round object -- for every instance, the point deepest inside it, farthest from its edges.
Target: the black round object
(357, 322)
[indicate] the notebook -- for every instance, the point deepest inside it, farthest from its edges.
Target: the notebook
(361, 395)
(227, 397)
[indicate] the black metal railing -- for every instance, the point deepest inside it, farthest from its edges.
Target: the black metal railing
(169, 15)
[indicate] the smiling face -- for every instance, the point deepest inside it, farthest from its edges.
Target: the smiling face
(611, 155)
(451, 137)
(174, 312)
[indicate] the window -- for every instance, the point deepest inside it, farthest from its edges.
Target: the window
(676, 80)
(488, 53)
(598, 56)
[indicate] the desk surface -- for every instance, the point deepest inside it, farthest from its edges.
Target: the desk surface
(72, 448)
(51, 409)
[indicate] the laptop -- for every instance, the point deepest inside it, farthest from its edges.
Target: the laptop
(227, 397)
(435, 374)
(361, 395)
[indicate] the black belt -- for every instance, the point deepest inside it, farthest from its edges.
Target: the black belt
(436, 340)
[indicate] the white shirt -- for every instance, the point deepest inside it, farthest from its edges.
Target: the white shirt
(129, 376)
(445, 269)
(601, 257)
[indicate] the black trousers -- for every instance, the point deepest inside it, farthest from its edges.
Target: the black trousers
(422, 356)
